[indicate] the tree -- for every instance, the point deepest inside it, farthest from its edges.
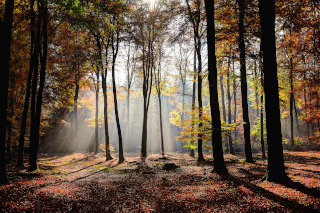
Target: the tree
(115, 47)
(275, 170)
(196, 19)
(6, 29)
(104, 73)
(36, 118)
(33, 54)
(219, 165)
(159, 88)
(244, 87)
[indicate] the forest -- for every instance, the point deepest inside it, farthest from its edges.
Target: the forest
(160, 106)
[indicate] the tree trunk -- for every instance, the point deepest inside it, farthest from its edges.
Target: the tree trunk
(25, 113)
(223, 110)
(34, 145)
(218, 160)
(96, 127)
(128, 119)
(144, 130)
(161, 126)
(200, 154)
(6, 29)
(275, 170)
(244, 87)
(105, 110)
(192, 154)
(262, 128)
(235, 103)
(297, 118)
(75, 109)
(291, 103)
(229, 108)
(115, 52)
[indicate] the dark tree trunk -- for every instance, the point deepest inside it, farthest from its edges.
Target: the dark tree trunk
(144, 131)
(34, 145)
(105, 111)
(218, 162)
(276, 170)
(75, 107)
(200, 154)
(115, 53)
(262, 129)
(161, 126)
(291, 103)
(244, 87)
(33, 55)
(6, 29)
(192, 154)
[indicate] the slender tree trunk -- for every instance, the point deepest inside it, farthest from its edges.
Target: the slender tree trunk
(105, 110)
(244, 87)
(144, 130)
(34, 145)
(229, 108)
(262, 129)
(33, 55)
(128, 119)
(192, 154)
(200, 153)
(6, 29)
(218, 160)
(256, 88)
(161, 126)
(75, 107)
(291, 103)
(224, 110)
(115, 52)
(96, 130)
(297, 118)
(25, 115)
(235, 103)
(276, 170)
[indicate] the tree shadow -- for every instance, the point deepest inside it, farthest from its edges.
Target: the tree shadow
(291, 184)
(96, 164)
(287, 203)
(79, 160)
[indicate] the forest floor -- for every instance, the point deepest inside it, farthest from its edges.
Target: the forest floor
(82, 182)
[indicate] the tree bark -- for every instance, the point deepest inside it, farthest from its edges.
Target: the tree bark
(115, 53)
(275, 170)
(34, 145)
(244, 87)
(192, 154)
(218, 162)
(161, 126)
(6, 30)
(32, 61)
(291, 103)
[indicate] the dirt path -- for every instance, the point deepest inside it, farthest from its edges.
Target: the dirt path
(86, 183)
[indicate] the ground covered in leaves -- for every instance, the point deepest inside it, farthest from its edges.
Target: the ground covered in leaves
(82, 182)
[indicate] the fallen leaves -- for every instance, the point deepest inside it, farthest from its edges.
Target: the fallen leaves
(86, 183)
